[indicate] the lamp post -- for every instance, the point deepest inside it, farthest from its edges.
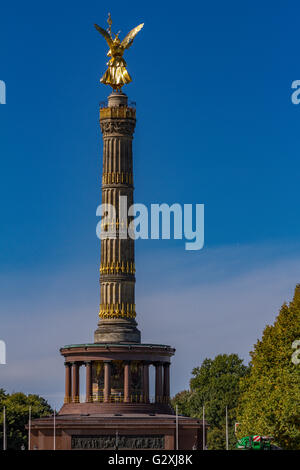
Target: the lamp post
(29, 428)
(203, 428)
(4, 429)
(227, 446)
(177, 427)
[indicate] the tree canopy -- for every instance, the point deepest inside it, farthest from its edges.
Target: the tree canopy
(214, 385)
(17, 414)
(270, 402)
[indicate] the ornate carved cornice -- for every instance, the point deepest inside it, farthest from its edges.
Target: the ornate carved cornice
(123, 310)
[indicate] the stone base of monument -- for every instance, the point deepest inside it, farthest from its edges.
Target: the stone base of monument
(108, 431)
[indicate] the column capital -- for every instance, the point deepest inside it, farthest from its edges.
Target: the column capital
(76, 363)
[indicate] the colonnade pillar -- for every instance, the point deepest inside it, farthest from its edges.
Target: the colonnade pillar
(75, 382)
(68, 381)
(89, 386)
(166, 387)
(107, 381)
(158, 382)
(146, 382)
(127, 382)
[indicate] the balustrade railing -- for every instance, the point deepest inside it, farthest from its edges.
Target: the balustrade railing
(133, 398)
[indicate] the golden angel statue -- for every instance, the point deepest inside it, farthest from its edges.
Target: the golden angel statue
(117, 75)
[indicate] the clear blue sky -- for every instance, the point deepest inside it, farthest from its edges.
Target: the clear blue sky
(212, 82)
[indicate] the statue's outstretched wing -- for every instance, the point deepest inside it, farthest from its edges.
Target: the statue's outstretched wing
(105, 35)
(128, 40)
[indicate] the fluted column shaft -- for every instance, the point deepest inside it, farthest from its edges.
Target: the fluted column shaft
(158, 382)
(127, 382)
(117, 267)
(68, 382)
(146, 382)
(166, 387)
(107, 381)
(89, 385)
(117, 254)
(75, 382)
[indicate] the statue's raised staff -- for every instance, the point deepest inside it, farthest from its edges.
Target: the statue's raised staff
(117, 75)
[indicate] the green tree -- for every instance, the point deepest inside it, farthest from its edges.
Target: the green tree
(270, 402)
(2, 396)
(17, 413)
(215, 385)
(182, 400)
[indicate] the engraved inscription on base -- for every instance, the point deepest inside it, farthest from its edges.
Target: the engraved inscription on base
(120, 442)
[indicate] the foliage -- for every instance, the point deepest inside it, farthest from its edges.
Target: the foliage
(215, 385)
(270, 403)
(17, 413)
(2, 396)
(181, 399)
